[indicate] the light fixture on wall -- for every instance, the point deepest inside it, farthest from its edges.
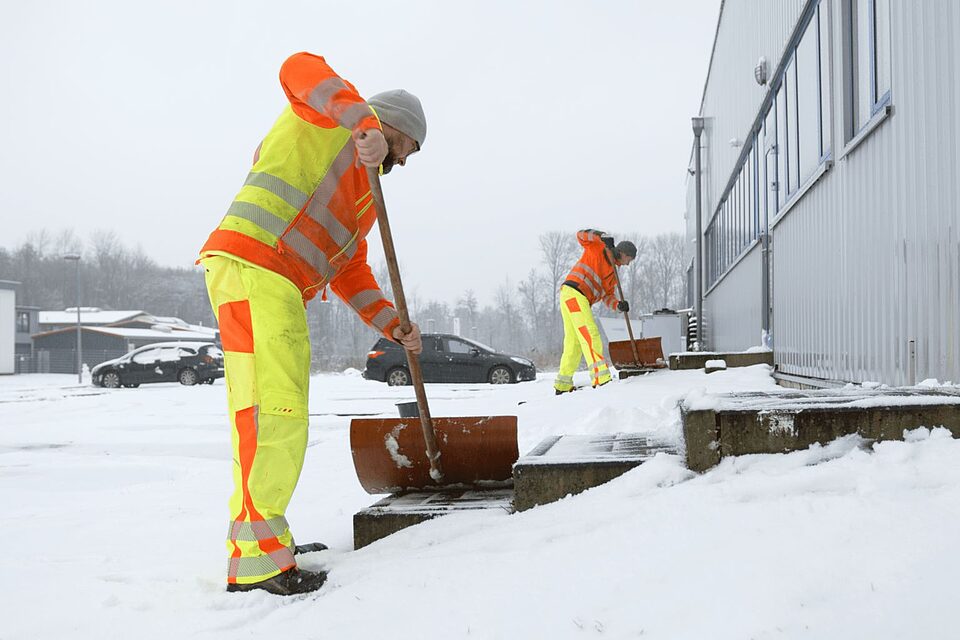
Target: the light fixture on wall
(736, 142)
(760, 71)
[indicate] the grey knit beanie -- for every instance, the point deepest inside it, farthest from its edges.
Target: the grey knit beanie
(627, 248)
(401, 110)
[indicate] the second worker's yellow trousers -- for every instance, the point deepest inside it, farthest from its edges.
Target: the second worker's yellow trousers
(581, 339)
(266, 344)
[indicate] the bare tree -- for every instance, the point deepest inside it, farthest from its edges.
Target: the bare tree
(559, 249)
(630, 274)
(666, 270)
(66, 241)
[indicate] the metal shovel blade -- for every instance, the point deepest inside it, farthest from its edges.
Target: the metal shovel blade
(389, 454)
(649, 350)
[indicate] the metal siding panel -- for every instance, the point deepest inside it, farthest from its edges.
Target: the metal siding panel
(734, 327)
(870, 256)
(894, 274)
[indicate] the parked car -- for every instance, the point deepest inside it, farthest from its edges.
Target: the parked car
(188, 363)
(447, 358)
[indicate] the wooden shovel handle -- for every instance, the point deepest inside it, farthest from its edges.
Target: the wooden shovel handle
(413, 360)
(626, 315)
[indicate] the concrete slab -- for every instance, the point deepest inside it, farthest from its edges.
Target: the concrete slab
(698, 359)
(566, 465)
(403, 510)
(721, 425)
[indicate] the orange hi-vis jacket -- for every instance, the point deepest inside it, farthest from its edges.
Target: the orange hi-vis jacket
(593, 274)
(306, 208)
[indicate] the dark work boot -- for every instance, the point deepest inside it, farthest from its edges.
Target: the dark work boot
(309, 548)
(289, 583)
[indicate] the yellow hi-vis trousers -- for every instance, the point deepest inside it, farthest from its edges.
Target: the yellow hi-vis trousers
(580, 338)
(266, 344)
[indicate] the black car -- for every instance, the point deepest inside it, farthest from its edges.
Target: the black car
(447, 358)
(188, 363)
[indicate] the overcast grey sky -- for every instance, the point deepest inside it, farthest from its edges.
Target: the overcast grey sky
(142, 118)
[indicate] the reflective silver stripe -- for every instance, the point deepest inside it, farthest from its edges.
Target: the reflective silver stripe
(366, 298)
(383, 318)
(258, 215)
(318, 210)
(338, 233)
(599, 370)
(259, 530)
(308, 251)
(352, 116)
(351, 250)
(589, 236)
(278, 187)
(328, 185)
(323, 92)
(598, 281)
(589, 283)
(256, 566)
(564, 379)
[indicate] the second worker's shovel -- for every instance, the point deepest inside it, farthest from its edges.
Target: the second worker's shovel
(392, 454)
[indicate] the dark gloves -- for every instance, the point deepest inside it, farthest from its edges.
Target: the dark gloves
(608, 240)
(623, 305)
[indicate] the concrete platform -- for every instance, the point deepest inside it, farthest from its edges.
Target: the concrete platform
(566, 465)
(403, 510)
(721, 425)
(698, 359)
(557, 467)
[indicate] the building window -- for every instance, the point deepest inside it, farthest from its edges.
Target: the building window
(867, 36)
(783, 152)
(23, 322)
(734, 227)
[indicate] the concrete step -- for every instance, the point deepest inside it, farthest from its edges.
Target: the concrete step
(557, 467)
(568, 464)
(403, 510)
(719, 425)
(698, 359)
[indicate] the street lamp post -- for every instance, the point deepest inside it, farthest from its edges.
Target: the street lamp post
(76, 258)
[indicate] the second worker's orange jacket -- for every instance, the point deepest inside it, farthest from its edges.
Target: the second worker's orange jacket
(593, 274)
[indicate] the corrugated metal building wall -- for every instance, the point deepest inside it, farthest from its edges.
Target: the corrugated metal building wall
(866, 256)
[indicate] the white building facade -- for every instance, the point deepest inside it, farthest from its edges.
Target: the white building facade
(831, 191)
(8, 304)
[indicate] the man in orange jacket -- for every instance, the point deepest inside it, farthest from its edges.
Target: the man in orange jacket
(297, 225)
(591, 280)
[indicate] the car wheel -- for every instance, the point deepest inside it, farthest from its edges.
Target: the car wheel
(111, 380)
(398, 377)
(207, 381)
(501, 375)
(132, 386)
(188, 377)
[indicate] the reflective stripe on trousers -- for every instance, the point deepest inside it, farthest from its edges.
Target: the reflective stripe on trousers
(263, 328)
(581, 339)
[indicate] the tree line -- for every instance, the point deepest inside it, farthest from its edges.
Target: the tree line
(523, 319)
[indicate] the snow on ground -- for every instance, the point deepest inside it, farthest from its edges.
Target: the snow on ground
(115, 517)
